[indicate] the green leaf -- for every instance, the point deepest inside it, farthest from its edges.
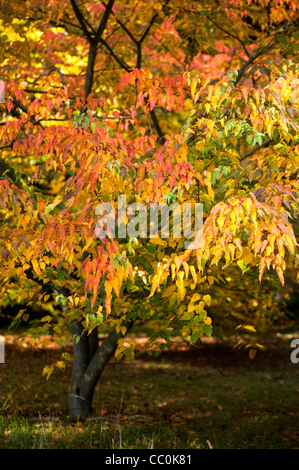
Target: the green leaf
(195, 336)
(66, 356)
(187, 316)
(208, 329)
(47, 318)
(241, 265)
(249, 139)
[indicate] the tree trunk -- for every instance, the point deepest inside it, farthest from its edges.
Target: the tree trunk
(90, 359)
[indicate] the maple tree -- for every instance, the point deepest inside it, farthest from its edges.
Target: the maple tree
(161, 101)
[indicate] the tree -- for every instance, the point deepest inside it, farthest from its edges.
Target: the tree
(160, 102)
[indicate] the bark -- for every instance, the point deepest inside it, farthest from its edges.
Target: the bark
(79, 406)
(93, 37)
(90, 69)
(89, 362)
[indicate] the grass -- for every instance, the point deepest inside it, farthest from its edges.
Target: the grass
(216, 397)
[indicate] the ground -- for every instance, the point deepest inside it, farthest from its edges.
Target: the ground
(211, 397)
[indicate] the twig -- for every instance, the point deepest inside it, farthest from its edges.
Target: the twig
(230, 34)
(255, 149)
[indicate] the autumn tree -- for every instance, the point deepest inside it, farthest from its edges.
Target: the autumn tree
(161, 102)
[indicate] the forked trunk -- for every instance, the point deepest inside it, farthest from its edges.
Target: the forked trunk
(90, 360)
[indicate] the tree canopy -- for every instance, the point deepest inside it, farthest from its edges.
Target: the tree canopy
(161, 102)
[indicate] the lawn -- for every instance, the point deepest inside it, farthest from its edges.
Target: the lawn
(211, 397)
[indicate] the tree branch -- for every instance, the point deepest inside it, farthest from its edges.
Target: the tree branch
(81, 20)
(99, 361)
(261, 51)
(92, 54)
(104, 20)
(149, 26)
(157, 126)
(230, 34)
(264, 49)
(93, 46)
(255, 149)
(127, 31)
(122, 64)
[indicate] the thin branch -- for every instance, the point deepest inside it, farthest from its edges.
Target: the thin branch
(10, 145)
(104, 20)
(154, 17)
(128, 69)
(230, 34)
(102, 118)
(81, 20)
(63, 23)
(261, 51)
(122, 64)
(98, 38)
(90, 25)
(264, 49)
(20, 105)
(255, 149)
(6, 146)
(54, 119)
(136, 41)
(93, 49)
(157, 126)
(127, 31)
(268, 8)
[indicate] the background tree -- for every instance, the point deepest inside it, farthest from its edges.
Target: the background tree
(161, 102)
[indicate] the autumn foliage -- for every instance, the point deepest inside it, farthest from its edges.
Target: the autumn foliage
(160, 101)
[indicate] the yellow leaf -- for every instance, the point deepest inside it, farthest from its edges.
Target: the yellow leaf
(155, 284)
(60, 364)
(169, 291)
(157, 241)
(280, 274)
(210, 124)
(35, 266)
(207, 299)
(180, 285)
(200, 307)
(195, 297)
(193, 273)
(47, 318)
(252, 353)
(42, 265)
(247, 327)
(115, 283)
(248, 259)
(193, 87)
(211, 193)
(191, 307)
